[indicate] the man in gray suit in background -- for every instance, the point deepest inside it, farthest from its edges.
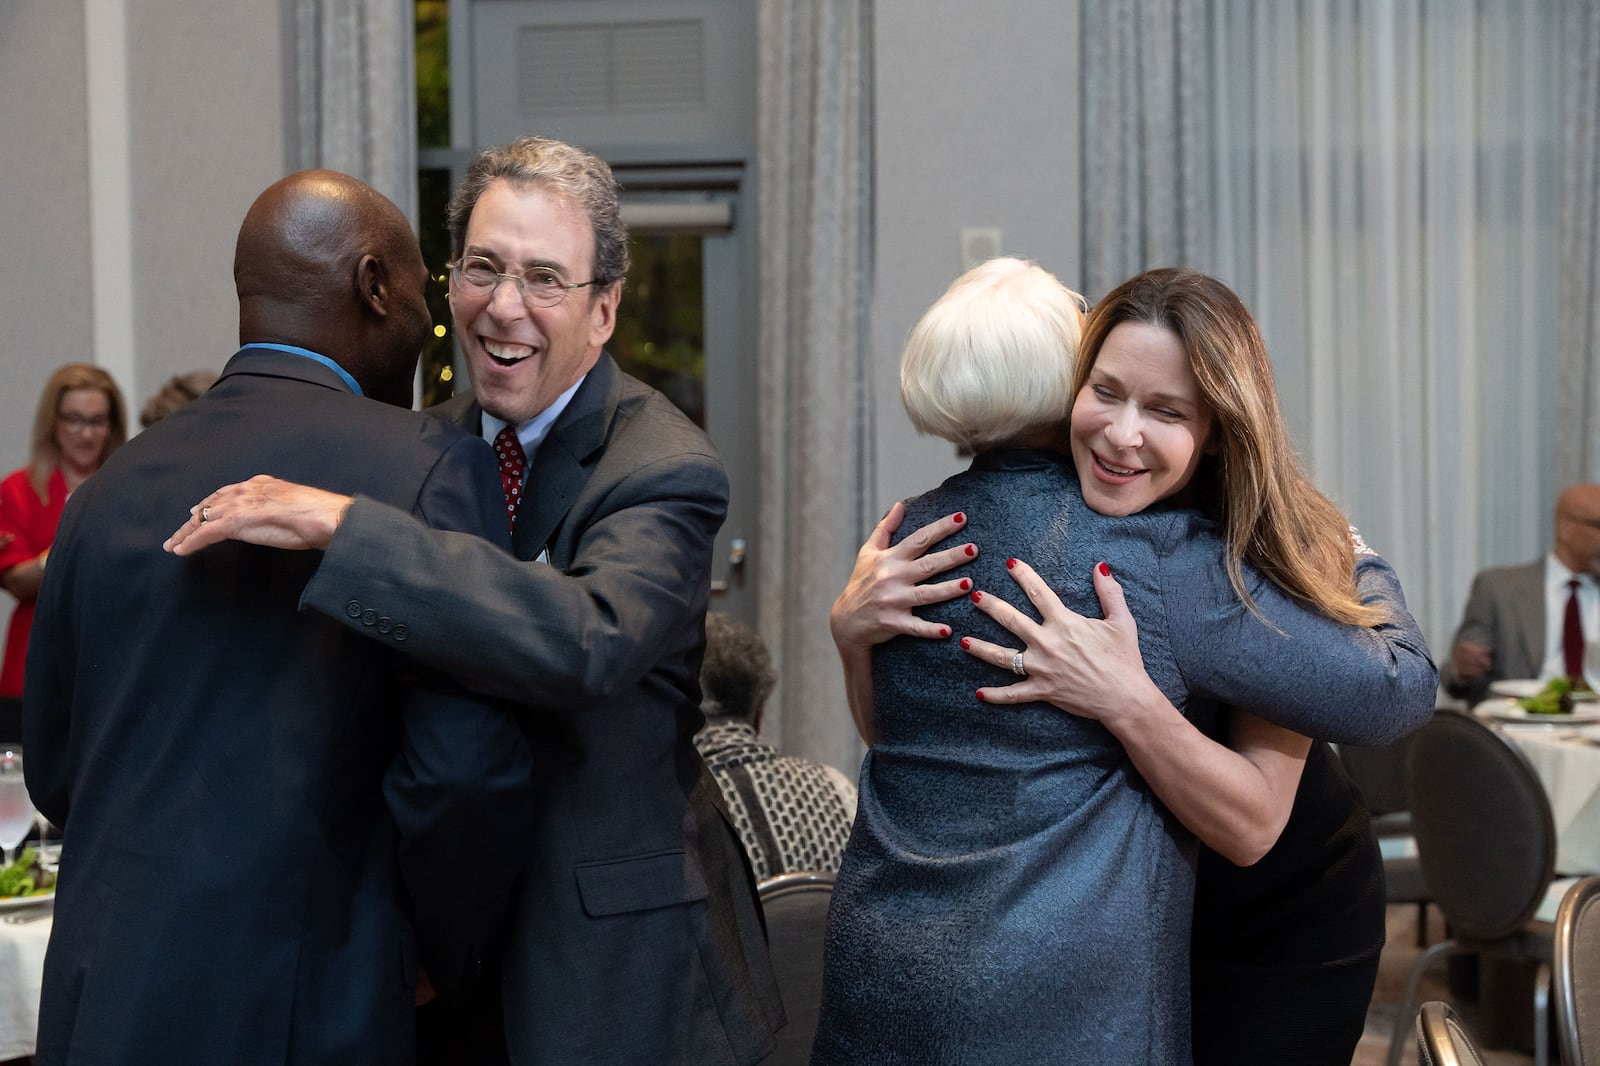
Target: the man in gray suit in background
(1513, 624)
(636, 936)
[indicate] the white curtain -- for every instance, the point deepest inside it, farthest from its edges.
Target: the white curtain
(814, 171)
(355, 87)
(1146, 139)
(1577, 412)
(1387, 178)
(1384, 182)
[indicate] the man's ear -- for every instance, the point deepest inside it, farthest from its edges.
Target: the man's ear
(605, 318)
(372, 284)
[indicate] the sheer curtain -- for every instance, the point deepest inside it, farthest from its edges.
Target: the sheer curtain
(815, 405)
(355, 93)
(1383, 179)
(1147, 132)
(1578, 401)
(1387, 206)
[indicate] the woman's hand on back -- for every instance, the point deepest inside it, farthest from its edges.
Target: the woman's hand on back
(888, 581)
(1236, 801)
(1088, 666)
(877, 602)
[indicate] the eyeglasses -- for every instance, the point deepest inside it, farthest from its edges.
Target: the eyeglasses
(539, 286)
(81, 423)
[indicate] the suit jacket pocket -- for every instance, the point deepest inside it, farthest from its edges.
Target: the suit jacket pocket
(639, 883)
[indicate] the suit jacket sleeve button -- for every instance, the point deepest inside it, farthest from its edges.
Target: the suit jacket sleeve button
(369, 617)
(401, 632)
(385, 624)
(353, 608)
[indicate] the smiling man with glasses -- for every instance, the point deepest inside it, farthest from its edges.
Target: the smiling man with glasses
(635, 936)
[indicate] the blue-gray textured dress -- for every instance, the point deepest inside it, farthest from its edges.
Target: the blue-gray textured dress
(1012, 891)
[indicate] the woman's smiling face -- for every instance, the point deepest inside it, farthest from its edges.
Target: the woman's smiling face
(1139, 425)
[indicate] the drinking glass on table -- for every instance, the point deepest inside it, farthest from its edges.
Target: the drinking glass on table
(16, 808)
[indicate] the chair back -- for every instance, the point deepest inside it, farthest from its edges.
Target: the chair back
(1441, 1038)
(1577, 973)
(1485, 836)
(796, 910)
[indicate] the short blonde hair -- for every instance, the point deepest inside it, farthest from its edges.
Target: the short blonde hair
(990, 363)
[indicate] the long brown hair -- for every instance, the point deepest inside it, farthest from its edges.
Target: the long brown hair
(44, 455)
(1272, 516)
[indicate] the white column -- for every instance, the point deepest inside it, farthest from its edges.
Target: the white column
(110, 191)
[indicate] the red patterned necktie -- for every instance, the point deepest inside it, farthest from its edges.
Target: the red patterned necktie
(509, 449)
(1572, 635)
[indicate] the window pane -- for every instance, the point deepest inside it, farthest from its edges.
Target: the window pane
(660, 335)
(433, 74)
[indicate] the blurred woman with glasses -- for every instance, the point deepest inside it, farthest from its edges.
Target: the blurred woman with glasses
(79, 422)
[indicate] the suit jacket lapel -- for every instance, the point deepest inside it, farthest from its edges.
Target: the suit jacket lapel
(558, 470)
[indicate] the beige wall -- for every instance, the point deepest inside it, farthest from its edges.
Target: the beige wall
(46, 303)
(148, 167)
(207, 84)
(976, 126)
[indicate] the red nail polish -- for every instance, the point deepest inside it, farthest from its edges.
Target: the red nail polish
(1011, 564)
(966, 583)
(1105, 571)
(977, 597)
(972, 549)
(981, 697)
(966, 643)
(959, 518)
(944, 631)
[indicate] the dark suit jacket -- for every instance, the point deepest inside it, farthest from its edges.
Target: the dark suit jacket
(230, 890)
(1505, 611)
(636, 937)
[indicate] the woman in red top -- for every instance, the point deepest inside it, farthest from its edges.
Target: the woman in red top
(80, 421)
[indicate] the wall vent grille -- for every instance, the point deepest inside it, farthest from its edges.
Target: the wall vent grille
(641, 67)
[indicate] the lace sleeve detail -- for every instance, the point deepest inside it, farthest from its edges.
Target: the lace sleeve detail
(1358, 544)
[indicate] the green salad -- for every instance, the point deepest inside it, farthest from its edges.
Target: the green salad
(25, 877)
(1554, 698)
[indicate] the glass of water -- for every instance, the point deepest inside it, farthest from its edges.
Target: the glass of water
(16, 808)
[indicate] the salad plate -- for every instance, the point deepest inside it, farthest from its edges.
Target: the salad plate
(1523, 688)
(1508, 710)
(15, 903)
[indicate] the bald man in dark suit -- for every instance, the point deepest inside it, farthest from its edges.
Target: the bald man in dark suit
(1512, 626)
(237, 780)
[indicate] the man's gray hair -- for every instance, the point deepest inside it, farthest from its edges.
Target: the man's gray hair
(565, 172)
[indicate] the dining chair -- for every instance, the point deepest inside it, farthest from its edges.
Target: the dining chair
(1577, 973)
(1487, 845)
(1442, 1040)
(1380, 774)
(796, 909)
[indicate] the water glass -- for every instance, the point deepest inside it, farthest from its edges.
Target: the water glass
(16, 808)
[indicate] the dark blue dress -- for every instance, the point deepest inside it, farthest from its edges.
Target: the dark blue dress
(1012, 892)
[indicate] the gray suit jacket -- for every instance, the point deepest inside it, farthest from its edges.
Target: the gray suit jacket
(636, 937)
(1505, 611)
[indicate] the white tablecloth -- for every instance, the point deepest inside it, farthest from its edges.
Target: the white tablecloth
(1568, 762)
(22, 947)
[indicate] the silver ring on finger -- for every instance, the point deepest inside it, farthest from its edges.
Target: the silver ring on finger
(205, 515)
(1017, 667)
